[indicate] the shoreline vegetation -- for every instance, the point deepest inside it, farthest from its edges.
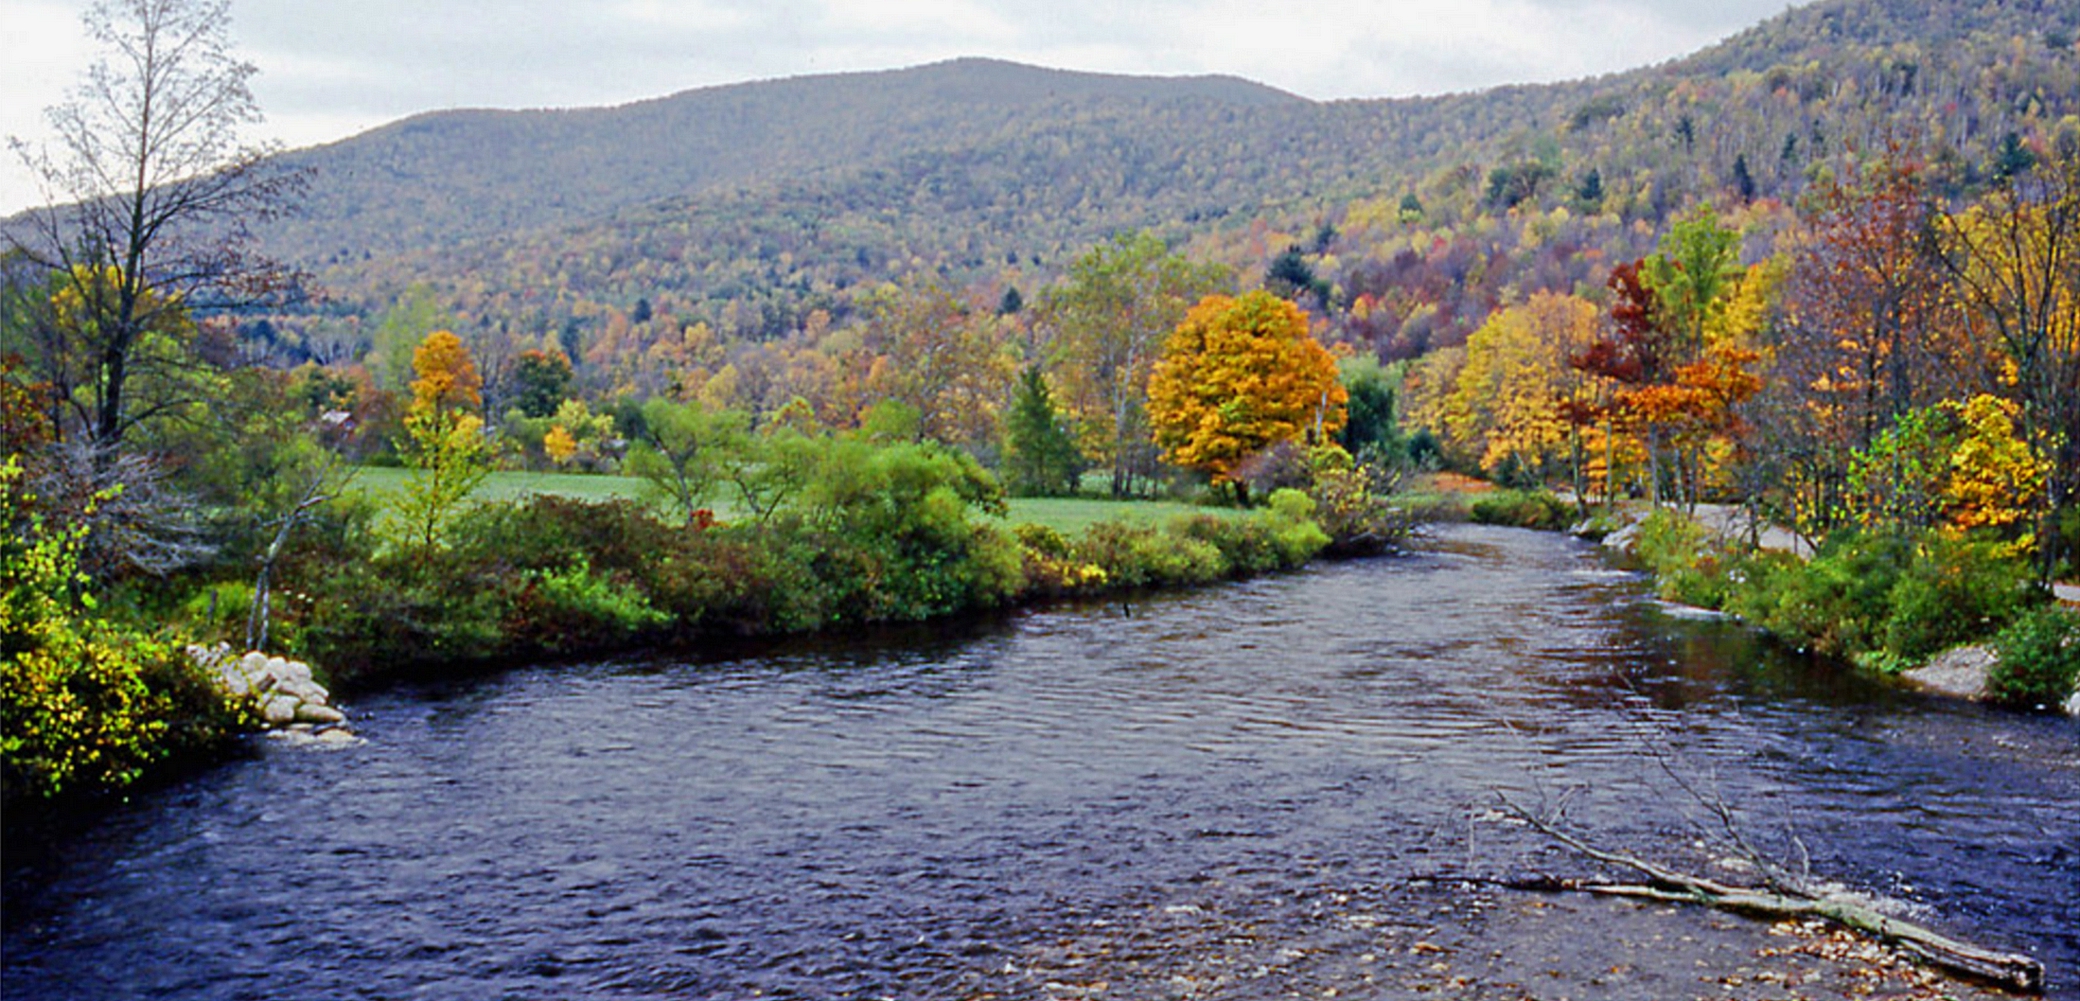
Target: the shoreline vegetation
(1949, 613)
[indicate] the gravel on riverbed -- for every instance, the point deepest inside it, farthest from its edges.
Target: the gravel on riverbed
(1441, 939)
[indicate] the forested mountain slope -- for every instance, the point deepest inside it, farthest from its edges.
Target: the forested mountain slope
(756, 207)
(439, 177)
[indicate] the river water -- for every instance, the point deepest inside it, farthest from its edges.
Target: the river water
(940, 812)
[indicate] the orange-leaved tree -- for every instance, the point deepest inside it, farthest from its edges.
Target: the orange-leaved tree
(444, 443)
(447, 376)
(1237, 376)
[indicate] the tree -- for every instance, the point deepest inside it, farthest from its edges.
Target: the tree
(1290, 276)
(1692, 275)
(2015, 262)
(445, 443)
(681, 451)
(1508, 406)
(1237, 376)
(541, 380)
(1869, 306)
(448, 378)
(1108, 320)
(151, 193)
(65, 342)
(1371, 427)
(940, 356)
(1040, 455)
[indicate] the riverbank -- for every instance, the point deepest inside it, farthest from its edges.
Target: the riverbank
(1954, 615)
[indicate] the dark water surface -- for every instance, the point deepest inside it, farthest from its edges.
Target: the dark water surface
(897, 818)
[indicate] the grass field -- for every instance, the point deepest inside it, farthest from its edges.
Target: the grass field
(1068, 515)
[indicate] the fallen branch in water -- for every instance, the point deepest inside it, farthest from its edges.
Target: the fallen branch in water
(2010, 970)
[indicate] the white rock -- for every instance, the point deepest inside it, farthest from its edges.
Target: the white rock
(2072, 705)
(311, 712)
(279, 710)
(304, 690)
(234, 683)
(1959, 672)
(288, 669)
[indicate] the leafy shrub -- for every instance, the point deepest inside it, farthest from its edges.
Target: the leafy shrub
(1685, 567)
(576, 609)
(1353, 510)
(1247, 545)
(1294, 531)
(1522, 509)
(86, 703)
(399, 611)
(2039, 658)
(1887, 600)
(1837, 603)
(1954, 591)
(1141, 556)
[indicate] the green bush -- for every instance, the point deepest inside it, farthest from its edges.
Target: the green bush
(1837, 603)
(1522, 509)
(1140, 556)
(575, 609)
(1294, 531)
(1888, 600)
(1686, 568)
(2039, 658)
(87, 703)
(1247, 545)
(1954, 591)
(398, 612)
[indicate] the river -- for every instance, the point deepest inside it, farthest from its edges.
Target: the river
(1114, 799)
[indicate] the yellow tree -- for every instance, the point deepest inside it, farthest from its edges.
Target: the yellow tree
(1237, 376)
(1106, 321)
(1507, 405)
(2015, 262)
(444, 438)
(447, 376)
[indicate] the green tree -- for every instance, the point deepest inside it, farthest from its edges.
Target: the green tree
(1371, 426)
(541, 381)
(1692, 277)
(1040, 454)
(1107, 319)
(683, 452)
(415, 314)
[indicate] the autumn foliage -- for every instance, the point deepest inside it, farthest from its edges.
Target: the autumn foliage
(1237, 376)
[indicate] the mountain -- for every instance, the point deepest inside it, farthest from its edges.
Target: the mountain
(764, 208)
(447, 176)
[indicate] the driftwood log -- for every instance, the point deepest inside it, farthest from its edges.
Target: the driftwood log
(2010, 970)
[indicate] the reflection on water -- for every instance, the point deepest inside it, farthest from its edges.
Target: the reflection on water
(877, 817)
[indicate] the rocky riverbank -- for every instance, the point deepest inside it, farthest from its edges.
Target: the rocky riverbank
(281, 695)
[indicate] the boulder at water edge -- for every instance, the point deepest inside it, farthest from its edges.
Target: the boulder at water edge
(281, 691)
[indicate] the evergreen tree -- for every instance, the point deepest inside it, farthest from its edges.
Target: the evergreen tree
(1743, 181)
(1040, 455)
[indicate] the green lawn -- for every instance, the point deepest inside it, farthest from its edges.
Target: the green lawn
(382, 482)
(1068, 515)
(1071, 515)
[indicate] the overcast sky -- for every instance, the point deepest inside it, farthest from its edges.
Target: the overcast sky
(332, 68)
